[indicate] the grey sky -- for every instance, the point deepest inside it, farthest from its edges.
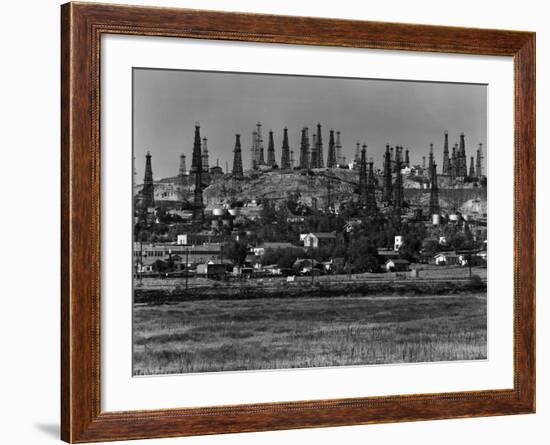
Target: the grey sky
(167, 103)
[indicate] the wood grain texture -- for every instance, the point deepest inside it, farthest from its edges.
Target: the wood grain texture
(81, 28)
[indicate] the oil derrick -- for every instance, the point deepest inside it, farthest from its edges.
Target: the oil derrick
(371, 190)
(479, 161)
(271, 151)
(431, 158)
(285, 156)
(204, 156)
(304, 150)
(182, 171)
(260, 144)
(340, 160)
(254, 152)
(313, 158)
(148, 190)
(387, 175)
(319, 148)
(196, 162)
(331, 159)
(237, 158)
(446, 160)
(434, 191)
(357, 157)
(423, 162)
(472, 171)
(453, 166)
(407, 159)
(363, 177)
(182, 175)
(398, 189)
(198, 210)
(463, 168)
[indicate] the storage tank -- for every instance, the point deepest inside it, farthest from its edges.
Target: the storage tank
(218, 212)
(436, 219)
(234, 212)
(453, 217)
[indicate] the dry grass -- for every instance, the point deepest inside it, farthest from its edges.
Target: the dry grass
(228, 335)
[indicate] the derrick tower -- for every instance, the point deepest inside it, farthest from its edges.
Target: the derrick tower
(313, 152)
(196, 162)
(363, 177)
(340, 159)
(387, 175)
(204, 156)
(331, 159)
(462, 169)
(198, 209)
(472, 171)
(260, 144)
(446, 160)
(357, 157)
(271, 151)
(479, 161)
(319, 148)
(182, 171)
(148, 191)
(285, 156)
(304, 150)
(254, 151)
(434, 191)
(371, 190)
(431, 158)
(398, 188)
(407, 159)
(237, 158)
(454, 163)
(182, 175)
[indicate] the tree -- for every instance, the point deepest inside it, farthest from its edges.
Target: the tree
(236, 251)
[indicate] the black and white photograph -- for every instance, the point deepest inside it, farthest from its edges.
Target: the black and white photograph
(290, 221)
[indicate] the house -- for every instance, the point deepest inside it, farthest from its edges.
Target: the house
(446, 259)
(319, 239)
(398, 242)
(397, 265)
(211, 270)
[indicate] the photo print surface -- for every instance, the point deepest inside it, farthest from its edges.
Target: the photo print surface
(287, 221)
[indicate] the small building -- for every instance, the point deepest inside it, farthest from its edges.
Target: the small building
(397, 265)
(212, 270)
(446, 259)
(319, 239)
(398, 242)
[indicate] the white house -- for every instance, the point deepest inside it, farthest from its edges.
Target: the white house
(315, 240)
(397, 265)
(398, 242)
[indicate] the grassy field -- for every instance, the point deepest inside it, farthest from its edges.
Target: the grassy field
(228, 335)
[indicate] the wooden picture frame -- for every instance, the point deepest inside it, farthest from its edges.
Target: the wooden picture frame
(82, 26)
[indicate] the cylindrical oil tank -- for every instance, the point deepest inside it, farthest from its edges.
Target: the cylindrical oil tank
(453, 217)
(436, 219)
(234, 212)
(218, 211)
